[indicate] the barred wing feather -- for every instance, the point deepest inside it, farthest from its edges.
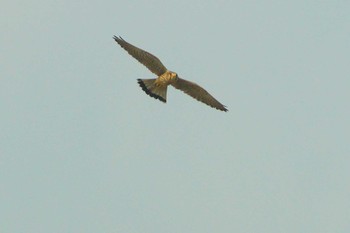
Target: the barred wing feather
(198, 93)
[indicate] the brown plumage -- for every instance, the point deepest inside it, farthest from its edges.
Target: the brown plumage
(157, 88)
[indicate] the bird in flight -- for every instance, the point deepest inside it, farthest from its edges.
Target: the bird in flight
(157, 87)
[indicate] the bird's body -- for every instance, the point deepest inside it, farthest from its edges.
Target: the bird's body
(157, 88)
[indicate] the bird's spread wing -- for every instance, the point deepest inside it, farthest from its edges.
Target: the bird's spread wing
(198, 93)
(145, 58)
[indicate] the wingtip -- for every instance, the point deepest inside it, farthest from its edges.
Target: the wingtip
(220, 108)
(118, 38)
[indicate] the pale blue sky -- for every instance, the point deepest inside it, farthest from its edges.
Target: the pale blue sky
(84, 149)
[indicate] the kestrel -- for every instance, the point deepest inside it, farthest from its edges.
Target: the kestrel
(157, 88)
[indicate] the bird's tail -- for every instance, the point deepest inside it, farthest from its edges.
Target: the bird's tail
(153, 89)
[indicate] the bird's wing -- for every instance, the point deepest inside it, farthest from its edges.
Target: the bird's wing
(198, 93)
(145, 58)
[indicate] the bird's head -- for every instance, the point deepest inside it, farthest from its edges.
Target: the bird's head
(173, 76)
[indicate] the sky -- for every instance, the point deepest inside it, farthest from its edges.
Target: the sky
(84, 149)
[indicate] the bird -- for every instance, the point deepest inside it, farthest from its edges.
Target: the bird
(157, 87)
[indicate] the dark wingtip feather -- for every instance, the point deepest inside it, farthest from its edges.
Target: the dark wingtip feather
(144, 88)
(224, 109)
(119, 39)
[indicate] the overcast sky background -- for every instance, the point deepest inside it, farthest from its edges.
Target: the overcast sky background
(84, 149)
